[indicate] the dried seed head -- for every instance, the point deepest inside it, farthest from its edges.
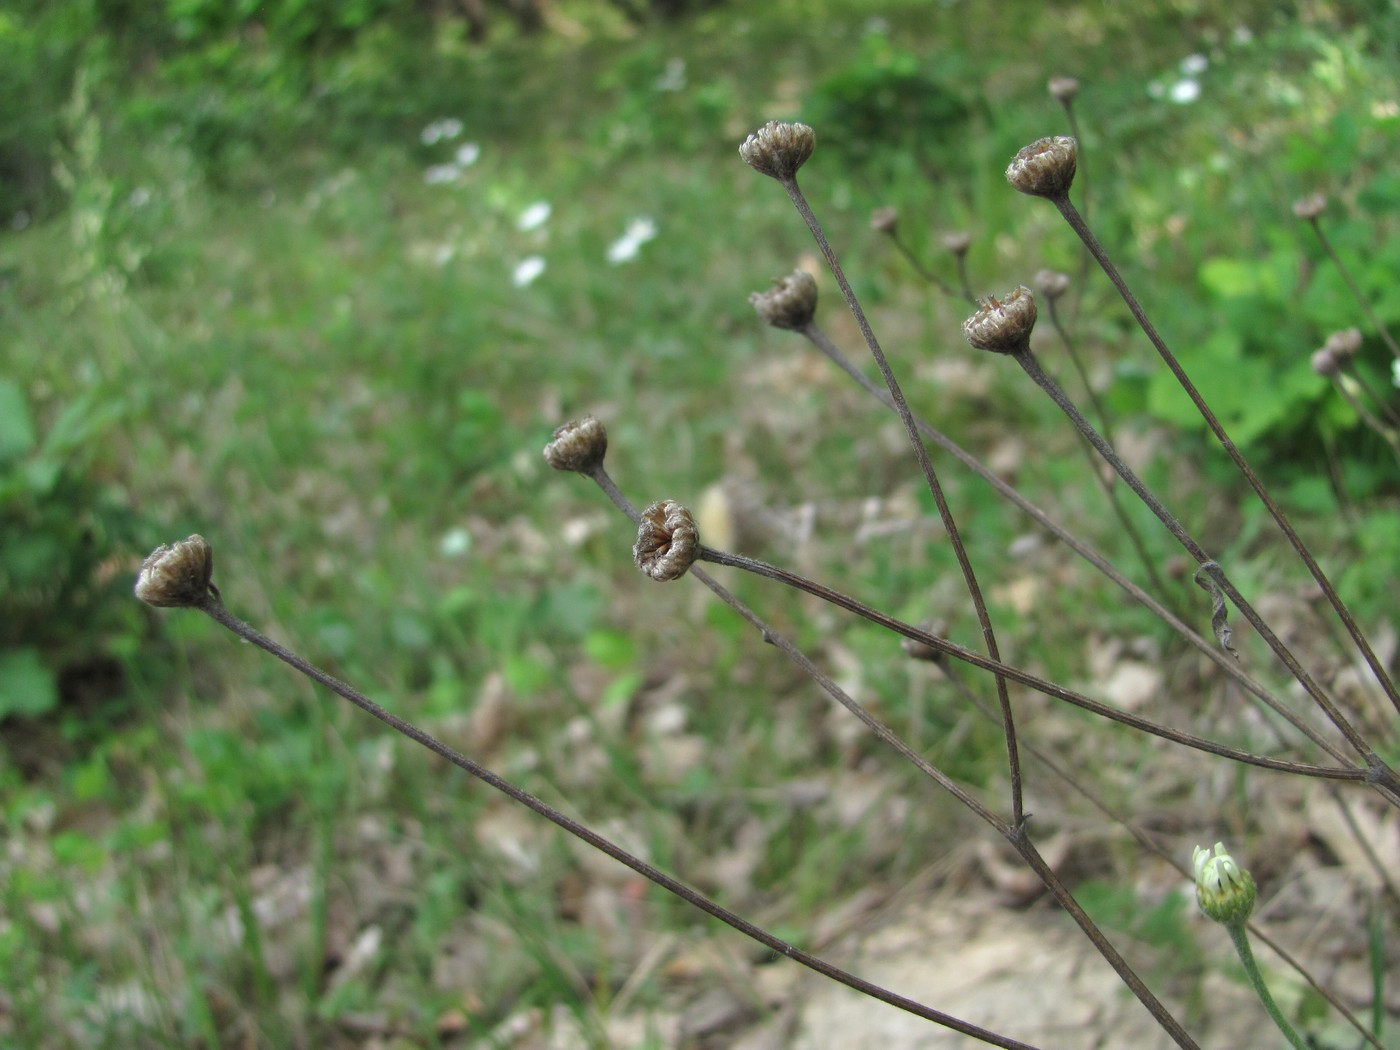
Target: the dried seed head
(957, 242)
(667, 541)
(1344, 344)
(1325, 362)
(177, 575)
(1063, 89)
(579, 445)
(884, 220)
(778, 149)
(1045, 168)
(1224, 890)
(1003, 327)
(791, 303)
(1311, 206)
(1051, 283)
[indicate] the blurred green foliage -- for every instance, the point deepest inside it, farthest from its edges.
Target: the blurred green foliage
(62, 603)
(243, 307)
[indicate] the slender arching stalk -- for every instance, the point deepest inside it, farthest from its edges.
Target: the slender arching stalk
(1081, 228)
(935, 487)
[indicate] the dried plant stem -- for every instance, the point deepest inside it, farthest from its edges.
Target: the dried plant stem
(1130, 528)
(1149, 843)
(923, 271)
(1352, 286)
(1368, 417)
(1016, 674)
(1081, 178)
(214, 607)
(820, 340)
(1014, 833)
(901, 407)
(1209, 566)
(1086, 235)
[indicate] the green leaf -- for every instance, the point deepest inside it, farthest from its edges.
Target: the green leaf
(27, 686)
(16, 426)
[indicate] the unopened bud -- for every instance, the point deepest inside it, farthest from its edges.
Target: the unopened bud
(884, 220)
(1051, 283)
(957, 242)
(1325, 362)
(791, 303)
(667, 541)
(578, 445)
(1063, 89)
(1344, 343)
(778, 149)
(1045, 168)
(1311, 206)
(1003, 326)
(1224, 890)
(177, 575)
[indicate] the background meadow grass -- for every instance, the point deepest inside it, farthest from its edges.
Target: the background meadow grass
(240, 308)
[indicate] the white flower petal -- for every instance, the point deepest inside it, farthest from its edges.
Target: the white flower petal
(527, 270)
(535, 216)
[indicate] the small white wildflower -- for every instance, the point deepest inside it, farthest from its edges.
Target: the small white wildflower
(527, 270)
(455, 543)
(533, 217)
(446, 129)
(1395, 373)
(468, 153)
(638, 232)
(1185, 91)
(1242, 35)
(674, 77)
(441, 174)
(1194, 65)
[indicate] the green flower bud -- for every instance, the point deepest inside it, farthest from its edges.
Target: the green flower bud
(1224, 890)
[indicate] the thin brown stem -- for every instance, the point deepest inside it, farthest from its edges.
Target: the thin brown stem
(1110, 491)
(1228, 665)
(1352, 286)
(906, 417)
(1147, 842)
(1086, 235)
(1016, 674)
(216, 610)
(1212, 568)
(923, 271)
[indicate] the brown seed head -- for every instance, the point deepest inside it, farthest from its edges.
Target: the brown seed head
(1003, 327)
(791, 303)
(884, 220)
(1051, 283)
(778, 149)
(1311, 206)
(667, 541)
(177, 575)
(1045, 168)
(1063, 89)
(579, 445)
(1344, 343)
